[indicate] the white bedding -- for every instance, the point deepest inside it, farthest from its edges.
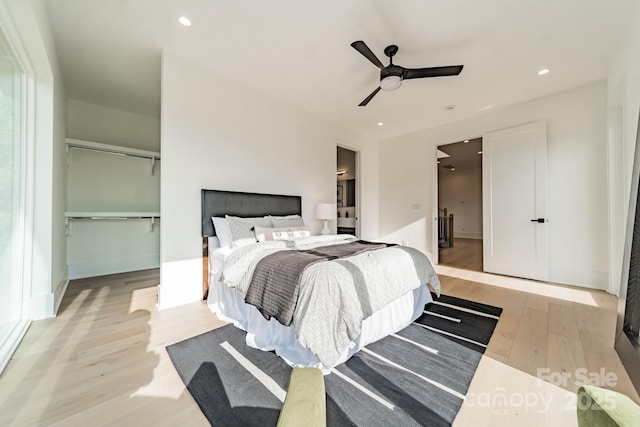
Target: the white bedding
(331, 321)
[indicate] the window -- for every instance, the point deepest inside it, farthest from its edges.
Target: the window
(12, 83)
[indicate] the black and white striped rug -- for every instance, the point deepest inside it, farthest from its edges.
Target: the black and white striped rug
(418, 376)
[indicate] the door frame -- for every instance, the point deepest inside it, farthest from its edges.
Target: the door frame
(340, 144)
(435, 259)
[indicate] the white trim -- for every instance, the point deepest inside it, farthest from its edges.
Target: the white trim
(9, 345)
(584, 278)
(41, 306)
(10, 27)
(59, 293)
(358, 221)
(616, 126)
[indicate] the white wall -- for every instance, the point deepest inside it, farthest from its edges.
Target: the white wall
(460, 192)
(91, 122)
(623, 90)
(577, 177)
(219, 134)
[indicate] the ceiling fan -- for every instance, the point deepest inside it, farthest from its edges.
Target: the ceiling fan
(392, 75)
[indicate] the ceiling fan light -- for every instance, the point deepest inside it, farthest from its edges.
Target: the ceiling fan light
(391, 83)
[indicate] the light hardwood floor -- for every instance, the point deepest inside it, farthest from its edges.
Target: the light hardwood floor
(465, 254)
(103, 361)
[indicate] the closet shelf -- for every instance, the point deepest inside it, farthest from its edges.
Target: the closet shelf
(107, 216)
(111, 149)
(98, 146)
(112, 215)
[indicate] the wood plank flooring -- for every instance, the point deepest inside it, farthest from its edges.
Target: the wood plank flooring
(103, 361)
(465, 254)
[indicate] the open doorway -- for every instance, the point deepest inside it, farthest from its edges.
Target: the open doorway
(347, 191)
(460, 204)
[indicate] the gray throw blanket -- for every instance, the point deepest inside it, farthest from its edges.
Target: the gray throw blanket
(275, 283)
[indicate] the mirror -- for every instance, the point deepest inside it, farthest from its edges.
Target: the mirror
(346, 193)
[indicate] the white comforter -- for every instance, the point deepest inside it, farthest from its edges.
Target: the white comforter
(336, 296)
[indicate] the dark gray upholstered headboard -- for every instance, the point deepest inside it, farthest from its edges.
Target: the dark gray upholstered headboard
(221, 203)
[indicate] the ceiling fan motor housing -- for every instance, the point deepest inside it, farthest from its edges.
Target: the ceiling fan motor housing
(390, 77)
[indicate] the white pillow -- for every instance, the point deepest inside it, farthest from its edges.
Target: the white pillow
(242, 233)
(222, 231)
(287, 221)
(281, 233)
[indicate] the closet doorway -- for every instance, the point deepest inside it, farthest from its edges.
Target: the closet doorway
(460, 204)
(347, 191)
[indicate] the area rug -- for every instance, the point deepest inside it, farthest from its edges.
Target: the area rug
(416, 377)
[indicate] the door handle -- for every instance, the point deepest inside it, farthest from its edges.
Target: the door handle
(540, 220)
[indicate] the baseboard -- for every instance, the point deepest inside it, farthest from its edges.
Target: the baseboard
(583, 278)
(9, 345)
(113, 266)
(467, 235)
(41, 306)
(59, 294)
(169, 297)
(45, 306)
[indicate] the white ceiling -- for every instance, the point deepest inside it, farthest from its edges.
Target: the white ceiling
(299, 52)
(464, 156)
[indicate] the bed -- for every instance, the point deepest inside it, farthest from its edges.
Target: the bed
(342, 305)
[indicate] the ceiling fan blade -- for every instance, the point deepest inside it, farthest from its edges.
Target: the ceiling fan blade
(368, 98)
(361, 47)
(419, 73)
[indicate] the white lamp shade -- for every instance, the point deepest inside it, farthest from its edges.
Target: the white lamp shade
(326, 211)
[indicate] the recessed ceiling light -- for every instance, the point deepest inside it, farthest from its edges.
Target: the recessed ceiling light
(543, 71)
(380, 123)
(184, 21)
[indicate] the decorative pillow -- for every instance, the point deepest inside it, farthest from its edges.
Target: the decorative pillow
(222, 231)
(287, 221)
(281, 233)
(242, 229)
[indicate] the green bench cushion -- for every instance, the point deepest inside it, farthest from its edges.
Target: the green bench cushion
(599, 407)
(305, 403)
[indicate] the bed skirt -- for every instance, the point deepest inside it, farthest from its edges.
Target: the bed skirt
(270, 335)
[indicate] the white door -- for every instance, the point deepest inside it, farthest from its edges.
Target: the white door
(514, 186)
